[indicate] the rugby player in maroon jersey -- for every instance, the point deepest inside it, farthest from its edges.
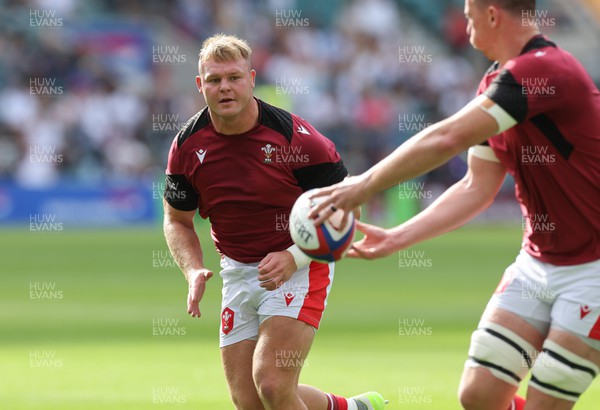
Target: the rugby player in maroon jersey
(242, 163)
(537, 117)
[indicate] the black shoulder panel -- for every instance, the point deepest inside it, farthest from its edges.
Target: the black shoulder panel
(508, 94)
(194, 124)
(276, 119)
(537, 42)
(320, 175)
(553, 134)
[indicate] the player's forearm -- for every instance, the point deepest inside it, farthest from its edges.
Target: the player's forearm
(184, 245)
(432, 147)
(454, 208)
(424, 152)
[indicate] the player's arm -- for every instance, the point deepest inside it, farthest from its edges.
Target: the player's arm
(432, 147)
(185, 247)
(455, 207)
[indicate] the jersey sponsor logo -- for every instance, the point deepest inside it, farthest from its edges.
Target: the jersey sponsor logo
(584, 310)
(540, 54)
(268, 151)
(302, 130)
(201, 153)
(227, 320)
(289, 296)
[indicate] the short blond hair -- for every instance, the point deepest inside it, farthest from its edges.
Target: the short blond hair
(516, 7)
(222, 47)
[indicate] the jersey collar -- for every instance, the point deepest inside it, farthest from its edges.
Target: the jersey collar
(538, 41)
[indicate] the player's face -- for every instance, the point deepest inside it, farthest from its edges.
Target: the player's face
(477, 27)
(226, 86)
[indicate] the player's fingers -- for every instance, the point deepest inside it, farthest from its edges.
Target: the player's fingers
(352, 254)
(321, 212)
(265, 278)
(344, 220)
(356, 251)
(264, 261)
(364, 227)
(322, 191)
(270, 284)
(363, 250)
(267, 269)
(193, 308)
(320, 208)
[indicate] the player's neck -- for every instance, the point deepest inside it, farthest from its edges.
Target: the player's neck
(514, 44)
(241, 123)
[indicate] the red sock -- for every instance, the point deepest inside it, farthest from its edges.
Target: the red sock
(518, 403)
(336, 402)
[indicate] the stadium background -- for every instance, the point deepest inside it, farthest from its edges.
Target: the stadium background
(91, 94)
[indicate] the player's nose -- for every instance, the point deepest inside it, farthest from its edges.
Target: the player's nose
(224, 86)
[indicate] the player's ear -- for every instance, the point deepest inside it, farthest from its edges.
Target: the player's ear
(252, 77)
(493, 15)
(199, 83)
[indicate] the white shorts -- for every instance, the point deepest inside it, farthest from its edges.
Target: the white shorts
(245, 305)
(566, 297)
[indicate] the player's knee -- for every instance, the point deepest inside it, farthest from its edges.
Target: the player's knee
(501, 351)
(273, 389)
(505, 355)
(474, 397)
(562, 374)
(469, 397)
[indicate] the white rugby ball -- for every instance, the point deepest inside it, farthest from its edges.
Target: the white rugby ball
(327, 242)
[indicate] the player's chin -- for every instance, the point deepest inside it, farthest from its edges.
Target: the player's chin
(227, 110)
(224, 106)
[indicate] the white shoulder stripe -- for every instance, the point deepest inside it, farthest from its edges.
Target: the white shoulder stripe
(483, 152)
(504, 120)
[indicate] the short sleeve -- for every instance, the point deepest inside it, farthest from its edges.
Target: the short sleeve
(317, 164)
(528, 86)
(179, 191)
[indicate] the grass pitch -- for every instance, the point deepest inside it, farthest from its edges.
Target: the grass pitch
(97, 320)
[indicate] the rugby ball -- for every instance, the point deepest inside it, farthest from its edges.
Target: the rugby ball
(327, 242)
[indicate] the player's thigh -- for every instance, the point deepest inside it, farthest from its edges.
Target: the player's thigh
(237, 364)
(570, 359)
(239, 316)
(516, 323)
(282, 347)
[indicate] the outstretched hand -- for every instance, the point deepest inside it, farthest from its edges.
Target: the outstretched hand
(346, 196)
(377, 243)
(197, 285)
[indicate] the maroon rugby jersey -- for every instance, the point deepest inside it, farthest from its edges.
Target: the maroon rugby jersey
(246, 184)
(553, 152)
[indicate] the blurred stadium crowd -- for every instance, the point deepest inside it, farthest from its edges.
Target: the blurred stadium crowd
(81, 90)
